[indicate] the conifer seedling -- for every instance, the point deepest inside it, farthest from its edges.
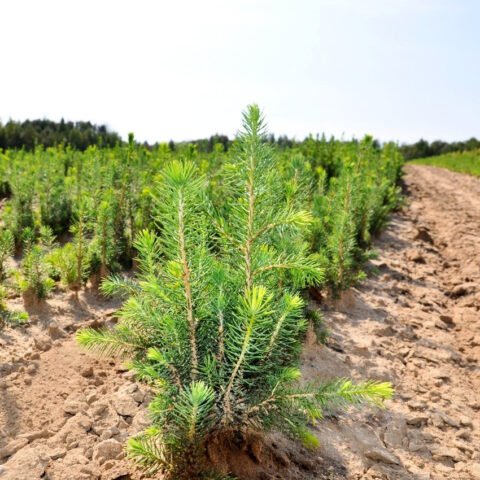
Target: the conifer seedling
(214, 320)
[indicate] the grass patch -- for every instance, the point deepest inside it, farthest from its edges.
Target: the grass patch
(463, 162)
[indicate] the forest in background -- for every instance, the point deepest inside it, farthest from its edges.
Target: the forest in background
(82, 134)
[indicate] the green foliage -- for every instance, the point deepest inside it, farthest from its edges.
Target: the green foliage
(7, 246)
(347, 187)
(103, 249)
(214, 321)
(63, 262)
(424, 149)
(104, 195)
(35, 281)
(21, 213)
(318, 325)
(463, 162)
(30, 133)
(8, 317)
(80, 231)
(55, 206)
(352, 206)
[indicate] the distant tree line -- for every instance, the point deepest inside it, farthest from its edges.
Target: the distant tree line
(79, 135)
(208, 145)
(420, 149)
(423, 148)
(204, 145)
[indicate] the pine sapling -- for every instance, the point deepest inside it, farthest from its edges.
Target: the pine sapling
(63, 263)
(7, 247)
(55, 206)
(22, 207)
(103, 249)
(80, 230)
(8, 317)
(35, 281)
(215, 321)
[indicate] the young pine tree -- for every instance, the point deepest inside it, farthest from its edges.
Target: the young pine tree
(53, 198)
(8, 317)
(7, 247)
(22, 215)
(355, 205)
(63, 262)
(341, 241)
(80, 230)
(103, 248)
(35, 281)
(214, 321)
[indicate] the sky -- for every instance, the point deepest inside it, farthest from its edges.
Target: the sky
(181, 70)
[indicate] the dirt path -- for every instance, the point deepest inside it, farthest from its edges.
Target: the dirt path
(414, 321)
(417, 324)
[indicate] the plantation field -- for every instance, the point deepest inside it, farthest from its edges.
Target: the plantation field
(172, 313)
(462, 162)
(211, 255)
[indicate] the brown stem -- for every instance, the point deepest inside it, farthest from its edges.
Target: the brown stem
(187, 286)
(250, 232)
(221, 341)
(228, 390)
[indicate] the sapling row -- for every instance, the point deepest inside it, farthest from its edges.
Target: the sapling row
(349, 187)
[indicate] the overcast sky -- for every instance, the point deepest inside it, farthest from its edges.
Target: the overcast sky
(178, 69)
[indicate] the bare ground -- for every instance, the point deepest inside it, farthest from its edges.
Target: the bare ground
(415, 321)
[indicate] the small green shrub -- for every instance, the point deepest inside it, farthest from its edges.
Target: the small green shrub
(81, 230)
(8, 317)
(7, 247)
(352, 206)
(35, 281)
(21, 214)
(103, 250)
(214, 321)
(63, 262)
(55, 206)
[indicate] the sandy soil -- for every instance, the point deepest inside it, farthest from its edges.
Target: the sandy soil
(64, 415)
